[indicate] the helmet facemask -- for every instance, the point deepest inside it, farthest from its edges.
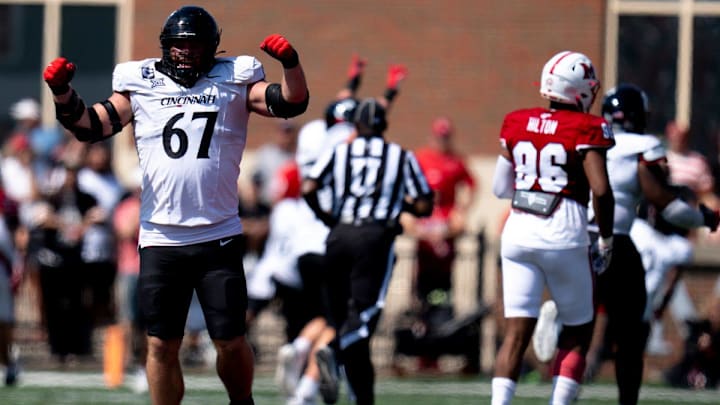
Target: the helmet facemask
(189, 41)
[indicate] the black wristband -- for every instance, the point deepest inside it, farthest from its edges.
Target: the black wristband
(354, 83)
(292, 61)
(390, 94)
(60, 90)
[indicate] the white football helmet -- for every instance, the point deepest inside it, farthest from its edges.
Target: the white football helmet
(569, 78)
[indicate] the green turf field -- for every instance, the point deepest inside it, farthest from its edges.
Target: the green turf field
(45, 388)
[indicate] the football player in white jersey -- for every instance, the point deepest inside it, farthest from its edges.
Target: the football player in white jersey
(551, 159)
(637, 170)
(189, 110)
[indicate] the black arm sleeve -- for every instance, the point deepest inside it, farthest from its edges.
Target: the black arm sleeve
(114, 116)
(279, 107)
(92, 134)
(69, 113)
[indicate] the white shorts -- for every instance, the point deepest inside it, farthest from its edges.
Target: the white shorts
(7, 308)
(565, 272)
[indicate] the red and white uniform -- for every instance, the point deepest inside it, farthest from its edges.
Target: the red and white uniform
(546, 149)
(190, 143)
(551, 251)
(444, 172)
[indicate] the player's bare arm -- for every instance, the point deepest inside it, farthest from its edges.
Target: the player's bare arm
(286, 99)
(603, 199)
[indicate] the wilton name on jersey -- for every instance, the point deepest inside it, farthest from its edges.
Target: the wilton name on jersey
(541, 126)
(192, 99)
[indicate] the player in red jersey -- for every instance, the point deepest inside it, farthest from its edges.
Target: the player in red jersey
(436, 235)
(550, 161)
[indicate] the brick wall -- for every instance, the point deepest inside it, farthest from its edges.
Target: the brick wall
(471, 60)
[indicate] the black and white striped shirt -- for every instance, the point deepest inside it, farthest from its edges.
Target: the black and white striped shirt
(369, 179)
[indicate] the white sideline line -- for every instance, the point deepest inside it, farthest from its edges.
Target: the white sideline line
(397, 387)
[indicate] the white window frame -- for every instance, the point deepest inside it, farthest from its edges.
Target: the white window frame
(53, 29)
(685, 11)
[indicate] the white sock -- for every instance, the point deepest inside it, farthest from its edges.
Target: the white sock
(564, 390)
(503, 390)
(302, 346)
(306, 388)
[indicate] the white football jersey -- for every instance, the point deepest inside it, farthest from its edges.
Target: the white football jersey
(622, 166)
(278, 262)
(190, 142)
(314, 139)
(660, 253)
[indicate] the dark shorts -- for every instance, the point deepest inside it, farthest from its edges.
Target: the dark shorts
(169, 274)
(359, 262)
(313, 273)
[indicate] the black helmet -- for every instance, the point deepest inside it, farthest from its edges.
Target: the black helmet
(369, 117)
(626, 106)
(189, 22)
(340, 111)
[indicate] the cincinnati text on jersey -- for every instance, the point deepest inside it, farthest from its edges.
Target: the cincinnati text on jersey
(206, 99)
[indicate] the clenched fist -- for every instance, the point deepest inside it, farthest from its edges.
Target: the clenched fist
(58, 75)
(279, 48)
(357, 67)
(395, 74)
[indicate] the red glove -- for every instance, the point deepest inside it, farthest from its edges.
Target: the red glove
(279, 48)
(357, 67)
(395, 74)
(58, 75)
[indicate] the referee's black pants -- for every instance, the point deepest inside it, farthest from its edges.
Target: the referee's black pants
(621, 290)
(359, 266)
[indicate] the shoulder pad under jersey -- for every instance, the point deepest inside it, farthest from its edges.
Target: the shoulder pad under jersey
(238, 70)
(135, 75)
(648, 146)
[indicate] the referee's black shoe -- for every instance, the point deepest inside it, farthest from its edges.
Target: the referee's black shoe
(329, 377)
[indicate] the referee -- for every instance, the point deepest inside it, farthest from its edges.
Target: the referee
(371, 181)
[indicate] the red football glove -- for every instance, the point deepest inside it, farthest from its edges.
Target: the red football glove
(357, 66)
(279, 48)
(58, 75)
(395, 74)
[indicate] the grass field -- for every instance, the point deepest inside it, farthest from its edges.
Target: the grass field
(58, 388)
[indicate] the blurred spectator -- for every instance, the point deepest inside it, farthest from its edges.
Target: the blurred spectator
(454, 188)
(18, 174)
(126, 225)
(699, 367)
(97, 178)
(7, 307)
(270, 156)
(98, 245)
(44, 142)
(56, 235)
(688, 167)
